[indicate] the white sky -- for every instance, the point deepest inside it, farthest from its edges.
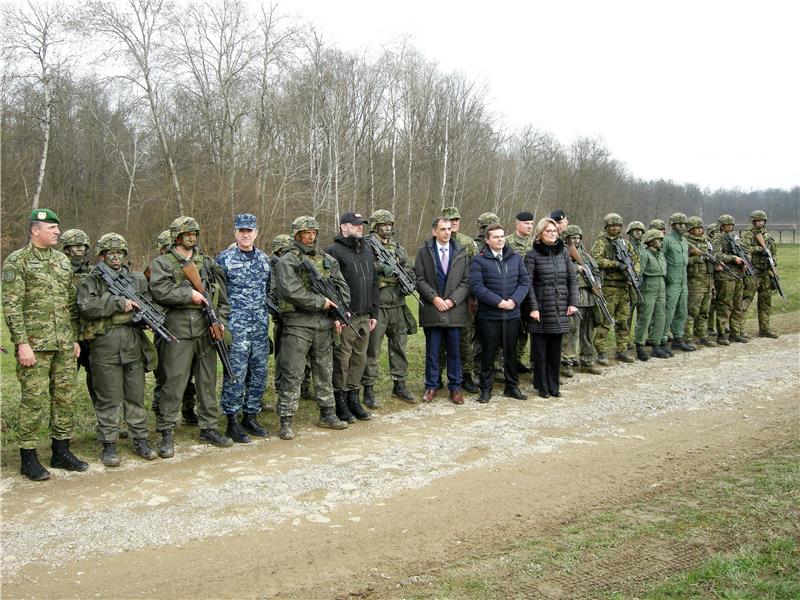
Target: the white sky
(702, 91)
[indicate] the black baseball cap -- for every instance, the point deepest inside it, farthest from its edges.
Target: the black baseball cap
(353, 218)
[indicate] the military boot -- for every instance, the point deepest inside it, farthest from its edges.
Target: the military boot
(30, 466)
(667, 346)
(342, 410)
(370, 401)
(235, 432)
(602, 359)
(683, 346)
(286, 432)
(659, 352)
(110, 457)
(739, 338)
(468, 384)
(141, 447)
(768, 334)
(566, 370)
(591, 368)
(623, 357)
(251, 425)
(641, 354)
(722, 340)
(707, 342)
(355, 406)
(213, 437)
(166, 449)
(189, 418)
(64, 459)
(328, 419)
(399, 389)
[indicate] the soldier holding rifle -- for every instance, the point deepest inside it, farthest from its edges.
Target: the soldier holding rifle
(762, 248)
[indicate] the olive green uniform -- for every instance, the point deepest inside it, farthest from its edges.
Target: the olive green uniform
(194, 352)
(638, 248)
(120, 353)
(650, 313)
(307, 329)
(615, 290)
(676, 253)
(729, 290)
(40, 309)
(80, 269)
(761, 284)
(700, 283)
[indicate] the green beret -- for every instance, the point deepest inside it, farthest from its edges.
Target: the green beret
(45, 215)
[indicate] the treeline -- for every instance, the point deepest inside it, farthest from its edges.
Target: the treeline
(122, 115)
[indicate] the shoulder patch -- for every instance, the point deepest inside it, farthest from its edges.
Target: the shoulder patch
(9, 275)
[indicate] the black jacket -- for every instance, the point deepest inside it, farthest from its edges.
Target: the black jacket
(554, 287)
(357, 264)
(491, 281)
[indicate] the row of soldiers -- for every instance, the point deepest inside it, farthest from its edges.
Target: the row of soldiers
(685, 287)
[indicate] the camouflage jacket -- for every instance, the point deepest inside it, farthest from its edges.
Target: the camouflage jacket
(757, 255)
(39, 299)
(603, 253)
(699, 268)
(390, 295)
(468, 243)
(723, 251)
(247, 280)
(519, 244)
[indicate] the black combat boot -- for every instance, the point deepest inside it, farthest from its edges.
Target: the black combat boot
(30, 466)
(768, 334)
(355, 406)
(109, 457)
(286, 432)
(739, 338)
(399, 389)
(328, 419)
(342, 410)
(235, 432)
(667, 346)
(602, 359)
(588, 367)
(370, 401)
(641, 354)
(485, 396)
(468, 384)
(251, 425)
(566, 370)
(189, 418)
(166, 449)
(707, 342)
(64, 459)
(623, 357)
(683, 346)
(722, 340)
(658, 352)
(213, 437)
(141, 447)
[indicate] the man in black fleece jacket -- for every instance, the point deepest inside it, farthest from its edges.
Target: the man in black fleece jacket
(357, 264)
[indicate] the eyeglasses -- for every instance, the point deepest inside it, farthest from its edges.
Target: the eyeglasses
(551, 231)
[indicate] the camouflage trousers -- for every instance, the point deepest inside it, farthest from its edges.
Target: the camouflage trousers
(730, 315)
(297, 345)
(761, 284)
(570, 343)
(350, 355)
(248, 355)
(119, 387)
(392, 324)
(47, 391)
(675, 311)
(698, 305)
(617, 299)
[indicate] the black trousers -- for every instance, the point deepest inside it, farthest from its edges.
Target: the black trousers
(493, 334)
(546, 350)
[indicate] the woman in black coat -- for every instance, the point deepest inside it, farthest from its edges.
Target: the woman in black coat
(552, 300)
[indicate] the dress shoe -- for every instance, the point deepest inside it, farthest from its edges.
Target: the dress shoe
(544, 395)
(456, 397)
(514, 392)
(429, 395)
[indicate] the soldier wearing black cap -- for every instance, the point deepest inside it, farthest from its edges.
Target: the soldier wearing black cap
(521, 241)
(560, 217)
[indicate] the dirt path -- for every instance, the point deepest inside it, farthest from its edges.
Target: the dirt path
(362, 511)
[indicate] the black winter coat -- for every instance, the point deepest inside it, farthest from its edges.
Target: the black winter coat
(491, 281)
(554, 287)
(357, 263)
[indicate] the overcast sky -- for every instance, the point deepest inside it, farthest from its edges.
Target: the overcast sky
(703, 92)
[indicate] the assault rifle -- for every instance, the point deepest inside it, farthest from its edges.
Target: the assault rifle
(776, 280)
(387, 258)
(147, 312)
(698, 251)
(624, 257)
(325, 287)
(594, 282)
(736, 245)
(215, 327)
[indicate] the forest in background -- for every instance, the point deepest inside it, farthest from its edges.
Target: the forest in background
(122, 115)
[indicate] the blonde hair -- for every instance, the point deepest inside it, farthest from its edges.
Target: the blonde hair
(541, 225)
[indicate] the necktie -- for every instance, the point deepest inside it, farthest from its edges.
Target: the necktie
(444, 259)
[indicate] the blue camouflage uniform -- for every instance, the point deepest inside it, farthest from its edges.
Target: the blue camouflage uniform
(248, 281)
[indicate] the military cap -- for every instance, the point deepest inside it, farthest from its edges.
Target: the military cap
(74, 237)
(486, 219)
(677, 218)
(451, 212)
(652, 234)
(694, 222)
(612, 219)
(164, 239)
(657, 224)
(524, 216)
(758, 215)
(111, 241)
(635, 225)
(558, 215)
(44, 215)
(304, 223)
(245, 221)
(281, 243)
(571, 230)
(726, 220)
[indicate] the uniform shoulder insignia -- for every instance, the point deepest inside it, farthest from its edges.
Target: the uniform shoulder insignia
(9, 275)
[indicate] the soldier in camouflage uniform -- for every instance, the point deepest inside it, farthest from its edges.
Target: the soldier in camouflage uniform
(650, 317)
(700, 274)
(75, 244)
(194, 353)
(395, 320)
(635, 231)
(761, 284)
(521, 241)
(579, 347)
(616, 289)
(280, 244)
(713, 329)
(42, 318)
(120, 352)
(676, 252)
(659, 225)
(307, 326)
(467, 346)
(247, 280)
(729, 290)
